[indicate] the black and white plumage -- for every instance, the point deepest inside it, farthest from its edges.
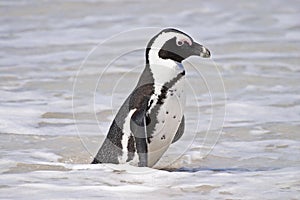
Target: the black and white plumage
(152, 118)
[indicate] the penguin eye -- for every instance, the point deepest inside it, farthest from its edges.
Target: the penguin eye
(179, 43)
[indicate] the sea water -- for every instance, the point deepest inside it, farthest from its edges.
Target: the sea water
(66, 67)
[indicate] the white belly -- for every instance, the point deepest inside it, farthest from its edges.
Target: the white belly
(169, 118)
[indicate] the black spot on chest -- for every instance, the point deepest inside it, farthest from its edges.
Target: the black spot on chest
(161, 99)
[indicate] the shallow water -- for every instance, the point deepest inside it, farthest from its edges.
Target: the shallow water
(45, 82)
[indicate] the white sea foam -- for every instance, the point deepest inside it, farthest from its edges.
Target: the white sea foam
(45, 153)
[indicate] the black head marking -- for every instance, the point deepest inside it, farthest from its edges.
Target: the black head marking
(171, 50)
(176, 49)
(167, 30)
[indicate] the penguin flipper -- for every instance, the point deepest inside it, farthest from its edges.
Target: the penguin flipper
(180, 131)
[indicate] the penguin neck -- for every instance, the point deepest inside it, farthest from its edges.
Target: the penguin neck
(163, 70)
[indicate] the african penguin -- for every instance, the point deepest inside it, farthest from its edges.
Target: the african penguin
(152, 117)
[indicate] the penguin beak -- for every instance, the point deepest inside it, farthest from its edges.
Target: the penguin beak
(199, 50)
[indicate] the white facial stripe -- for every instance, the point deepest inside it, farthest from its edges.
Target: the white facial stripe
(127, 133)
(164, 37)
(158, 44)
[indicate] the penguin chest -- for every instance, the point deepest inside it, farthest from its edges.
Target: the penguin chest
(168, 119)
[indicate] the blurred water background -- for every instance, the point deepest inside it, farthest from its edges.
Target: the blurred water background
(44, 84)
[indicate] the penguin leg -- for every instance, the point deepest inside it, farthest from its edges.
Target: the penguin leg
(180, 130)
(138, 128)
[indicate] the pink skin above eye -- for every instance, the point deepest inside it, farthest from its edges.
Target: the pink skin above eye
(183, 40)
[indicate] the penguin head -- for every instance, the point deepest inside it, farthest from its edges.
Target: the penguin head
(173, 45)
